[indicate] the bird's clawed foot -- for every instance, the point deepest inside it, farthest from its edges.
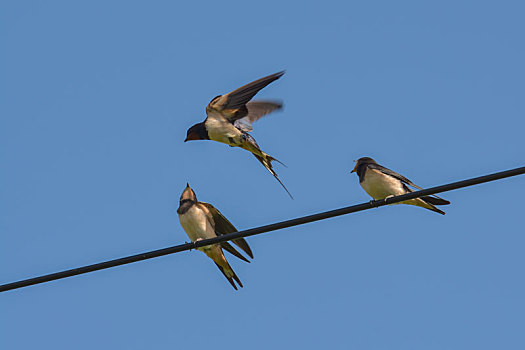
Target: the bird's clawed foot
(388, 197)
(195, 241)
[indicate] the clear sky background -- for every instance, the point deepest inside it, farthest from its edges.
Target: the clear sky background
(95, 101)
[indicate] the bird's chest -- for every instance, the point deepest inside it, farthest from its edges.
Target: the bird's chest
(221, 130)
(196, 225)
(379, 185)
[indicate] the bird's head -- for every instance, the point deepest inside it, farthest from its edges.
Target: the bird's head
(188, 195)
(187, 200)
(362, 162)
(197, 132)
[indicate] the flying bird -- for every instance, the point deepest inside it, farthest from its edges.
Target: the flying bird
(380, 182)
(201, 221)
(230, 117)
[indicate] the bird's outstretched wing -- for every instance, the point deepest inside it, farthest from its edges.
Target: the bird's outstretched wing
(233, 105)
(256, 110)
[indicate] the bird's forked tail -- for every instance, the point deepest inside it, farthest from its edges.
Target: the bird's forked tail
(267, 160)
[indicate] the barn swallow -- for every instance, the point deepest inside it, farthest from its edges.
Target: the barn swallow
(229, 119)
(201, 221)
(380, 182)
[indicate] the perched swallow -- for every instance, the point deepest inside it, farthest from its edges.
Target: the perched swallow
(380, 182)
(229, 119)
(201, 221)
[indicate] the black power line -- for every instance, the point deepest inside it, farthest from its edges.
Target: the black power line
(262, 229)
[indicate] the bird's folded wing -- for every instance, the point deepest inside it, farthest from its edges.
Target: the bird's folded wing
(230, 249)
(222, 226)
(393, 174)
(398, 176)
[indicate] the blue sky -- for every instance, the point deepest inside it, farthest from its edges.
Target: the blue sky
(95, 100)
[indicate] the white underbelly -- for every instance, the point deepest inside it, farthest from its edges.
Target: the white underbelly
(196, 225)
(379, 185)
(221, 130)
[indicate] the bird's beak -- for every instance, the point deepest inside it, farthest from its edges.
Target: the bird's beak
(354, 169)
(188, 193)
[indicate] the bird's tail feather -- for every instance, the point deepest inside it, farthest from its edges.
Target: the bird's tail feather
(230, 276)
(422, 203)
(266, 160)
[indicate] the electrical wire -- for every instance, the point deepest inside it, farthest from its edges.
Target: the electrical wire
(262, 229)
